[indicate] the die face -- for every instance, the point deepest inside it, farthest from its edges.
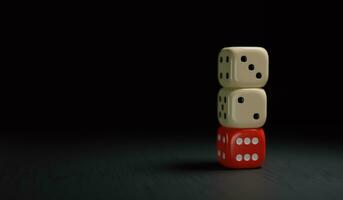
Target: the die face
(221, 146)
(247, 148)
(242, 108)
(242, 148)
(243, 67)
(225, 60)
(248, 108)
(223, 106)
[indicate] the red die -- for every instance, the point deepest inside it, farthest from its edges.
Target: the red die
(241, 148)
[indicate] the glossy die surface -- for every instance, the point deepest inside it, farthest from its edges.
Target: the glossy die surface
(242, 67)
(241, 148)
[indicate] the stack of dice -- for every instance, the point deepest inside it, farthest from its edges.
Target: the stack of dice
(242, 106)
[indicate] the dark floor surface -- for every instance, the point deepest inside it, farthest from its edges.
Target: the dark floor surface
(166, 168)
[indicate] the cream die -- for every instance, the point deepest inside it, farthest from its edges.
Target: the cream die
(243, 67)
(242, 108)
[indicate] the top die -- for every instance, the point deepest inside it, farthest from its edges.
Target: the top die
(243, 67)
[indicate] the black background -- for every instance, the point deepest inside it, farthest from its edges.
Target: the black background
(119, 101)
(150, 67)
